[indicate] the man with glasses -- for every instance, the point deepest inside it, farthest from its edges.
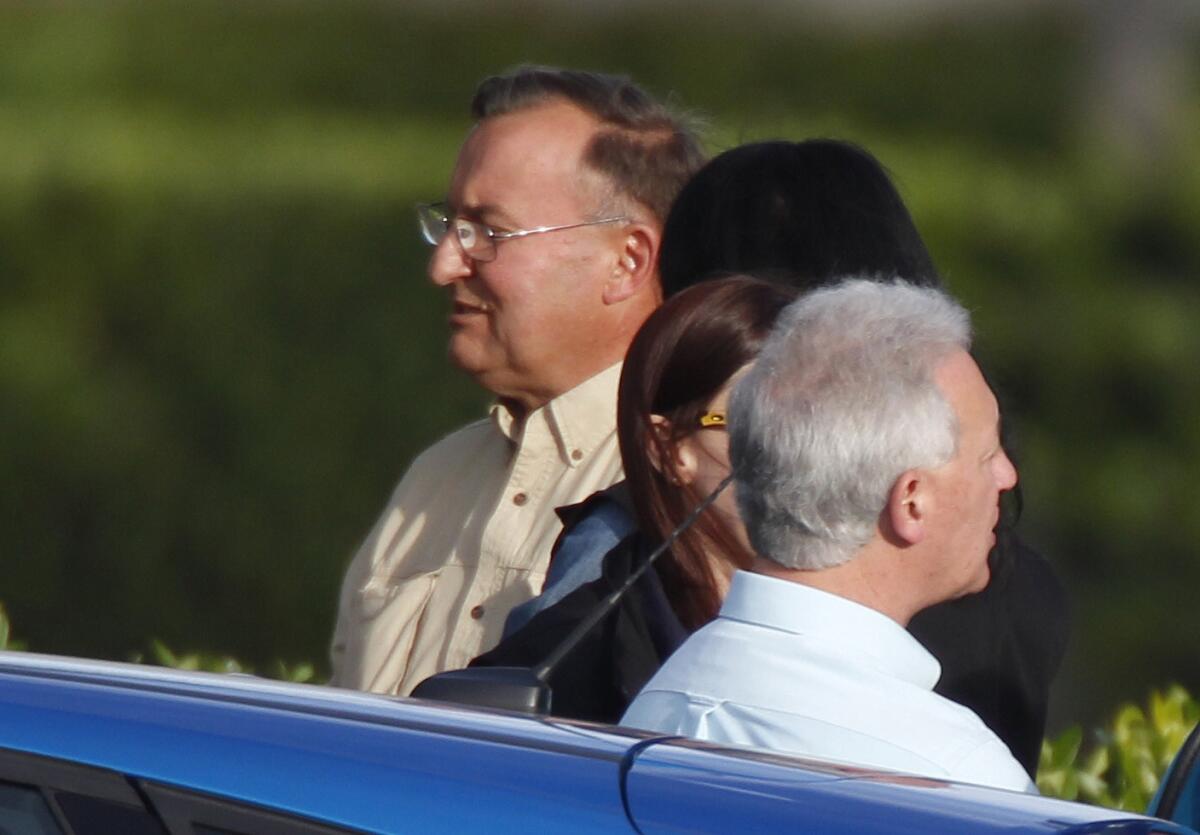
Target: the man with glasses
(546, 245)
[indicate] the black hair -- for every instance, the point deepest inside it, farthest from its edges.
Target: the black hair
(797, 212)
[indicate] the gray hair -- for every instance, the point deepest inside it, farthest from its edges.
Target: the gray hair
(645, 149)
(841, 401)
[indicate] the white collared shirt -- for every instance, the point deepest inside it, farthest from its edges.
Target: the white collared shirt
(789, 668)
(466, 537)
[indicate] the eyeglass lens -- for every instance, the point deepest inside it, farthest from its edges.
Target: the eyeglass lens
(433, 223)
(472, 239)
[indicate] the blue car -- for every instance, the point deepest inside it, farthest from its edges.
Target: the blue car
(94, 747)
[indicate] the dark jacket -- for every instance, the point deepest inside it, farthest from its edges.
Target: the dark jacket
(600, 677)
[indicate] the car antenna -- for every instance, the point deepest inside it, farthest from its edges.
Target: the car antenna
(527, 689)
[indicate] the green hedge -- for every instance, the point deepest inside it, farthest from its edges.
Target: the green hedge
(1122, 763)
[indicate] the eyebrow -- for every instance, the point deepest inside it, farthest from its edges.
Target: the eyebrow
(492, 212)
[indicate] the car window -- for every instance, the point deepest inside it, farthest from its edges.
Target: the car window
(23, 810)
(79, 799)
(203, 814)
(99, 816)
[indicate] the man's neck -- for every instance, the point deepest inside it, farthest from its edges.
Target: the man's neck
(866, 579)
(607, 350)
(521, 404)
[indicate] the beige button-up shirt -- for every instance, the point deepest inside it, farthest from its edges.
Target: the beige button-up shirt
(466, 537)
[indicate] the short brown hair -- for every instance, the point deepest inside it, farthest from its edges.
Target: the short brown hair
(645, 148)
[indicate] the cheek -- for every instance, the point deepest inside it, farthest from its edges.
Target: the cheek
(714, 458)
(528, 296)
(490, 284)
(726, 507)
(506, 295)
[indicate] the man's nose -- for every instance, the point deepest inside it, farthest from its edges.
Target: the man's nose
(448, 263)
(1006, 472)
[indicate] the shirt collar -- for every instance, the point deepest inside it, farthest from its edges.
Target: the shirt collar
(578, 420)
(864, 634)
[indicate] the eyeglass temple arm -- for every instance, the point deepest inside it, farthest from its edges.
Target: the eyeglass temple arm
(521, 233)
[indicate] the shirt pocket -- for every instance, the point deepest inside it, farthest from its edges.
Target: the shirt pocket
(389, 614)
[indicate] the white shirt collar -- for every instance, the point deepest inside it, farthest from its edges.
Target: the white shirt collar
(871, 636)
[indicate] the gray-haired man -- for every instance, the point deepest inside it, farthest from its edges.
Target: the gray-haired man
(869, 470)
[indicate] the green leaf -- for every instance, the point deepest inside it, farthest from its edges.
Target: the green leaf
(1125, 760)
(1065, 748)
(162, 655)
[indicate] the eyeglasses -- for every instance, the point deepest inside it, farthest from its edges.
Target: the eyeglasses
(478, 240)
(713, 420)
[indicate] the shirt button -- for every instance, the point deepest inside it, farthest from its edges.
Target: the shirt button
(577, 455)
(520, 499)
(477, 612)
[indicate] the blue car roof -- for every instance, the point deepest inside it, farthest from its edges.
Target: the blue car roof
(385, 764)
(360, 761)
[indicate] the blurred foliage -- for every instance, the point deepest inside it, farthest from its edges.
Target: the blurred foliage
(6, 639)
(161, 655)
(218, 350)
(1125, 760)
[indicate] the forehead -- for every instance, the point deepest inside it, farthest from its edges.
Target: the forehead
(968, 393)
(529, 157)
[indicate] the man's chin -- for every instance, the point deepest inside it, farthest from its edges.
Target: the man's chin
(465, 355)
(976, 583)
(981, 581)
(466, 350)
(483, 369)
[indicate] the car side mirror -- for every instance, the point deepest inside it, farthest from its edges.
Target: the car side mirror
(507, 688)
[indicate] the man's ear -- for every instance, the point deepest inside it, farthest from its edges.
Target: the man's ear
(908, 506)
(636, 267)
(683, 464)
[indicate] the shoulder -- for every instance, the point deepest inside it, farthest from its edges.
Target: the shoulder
(469, 448)
(462, 442)
(990, 763)
(626, 557)
(612, 505)
(446, 474)
(970, 751)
